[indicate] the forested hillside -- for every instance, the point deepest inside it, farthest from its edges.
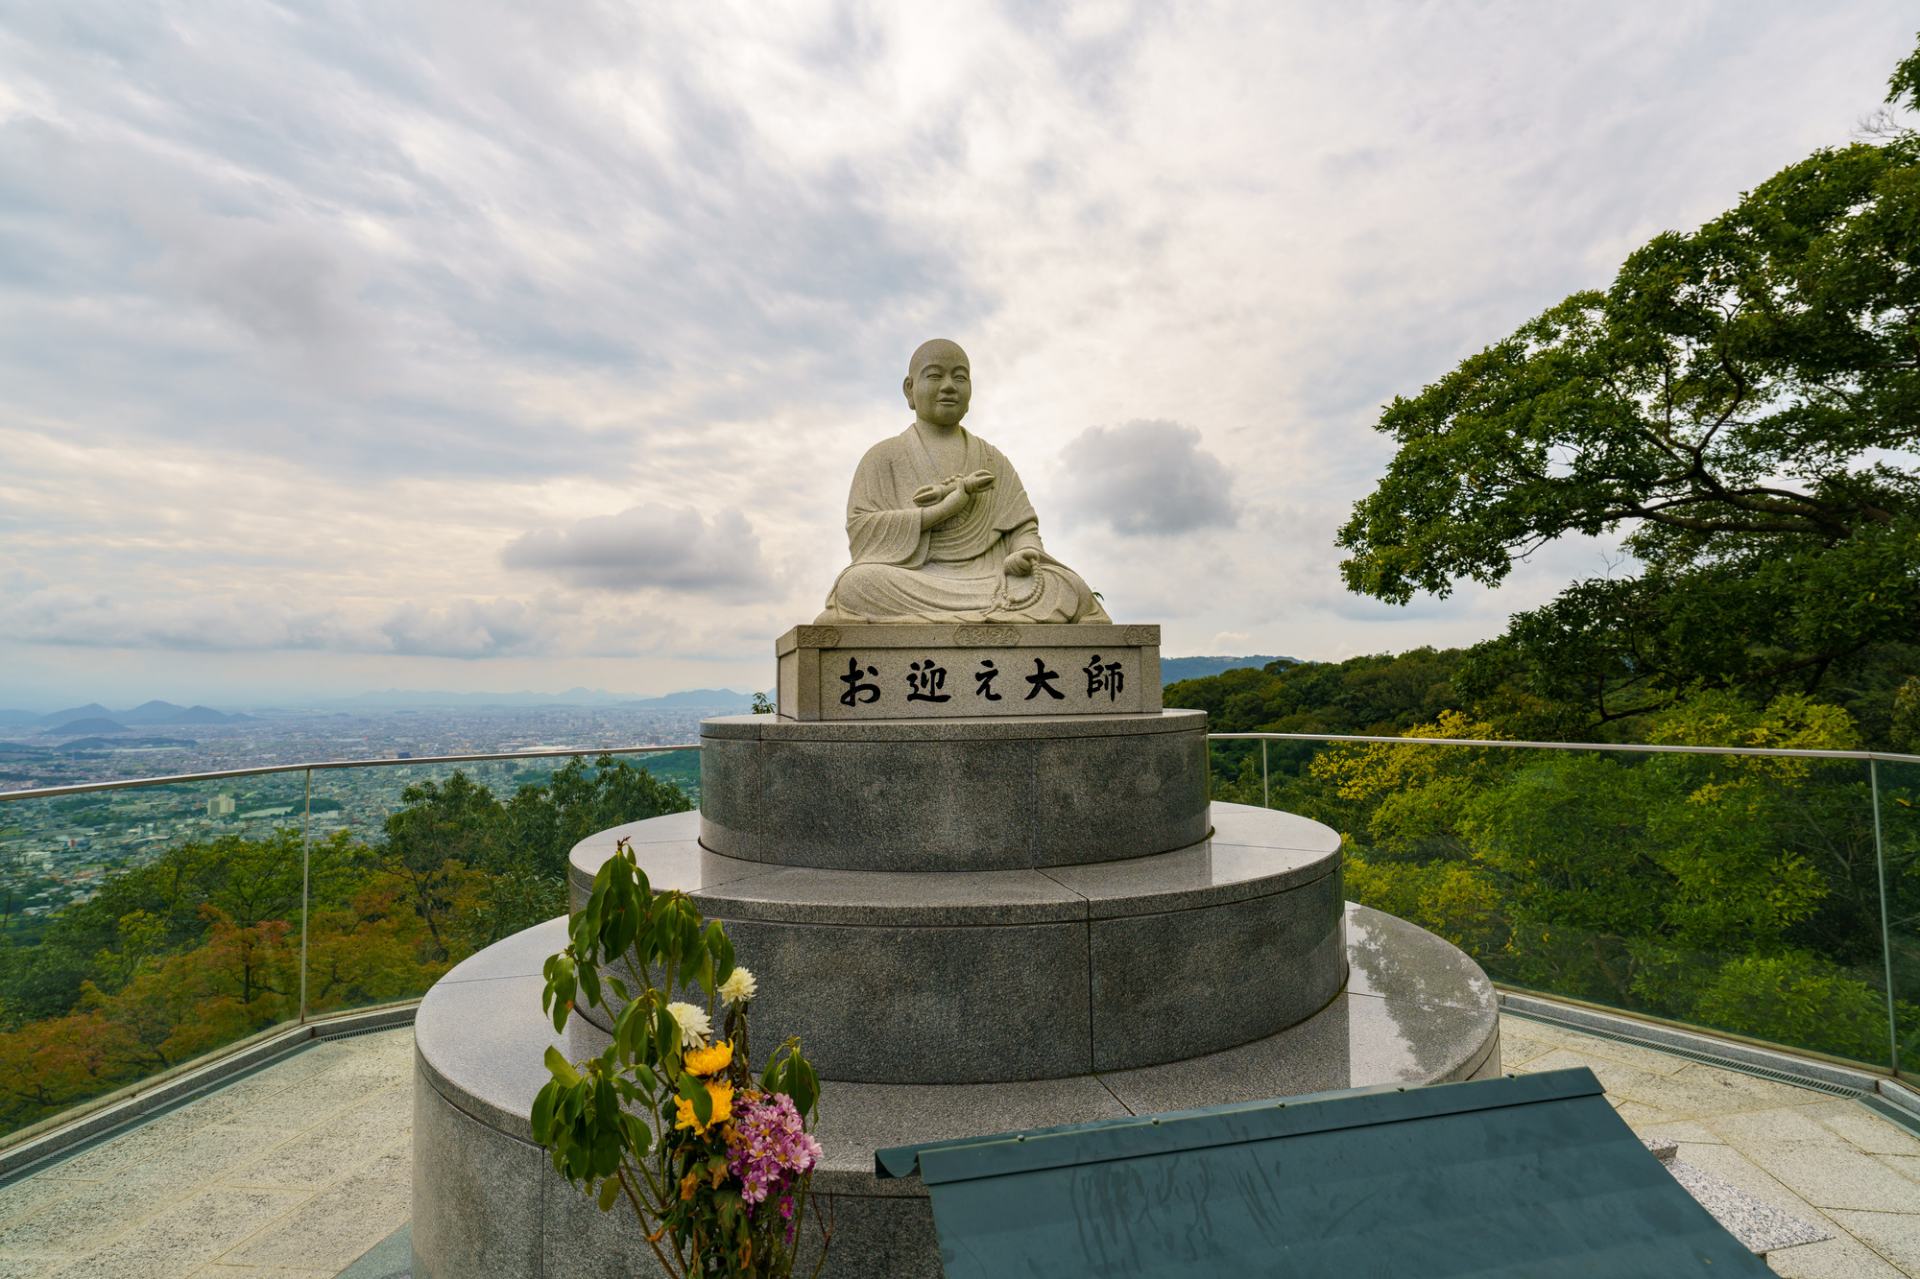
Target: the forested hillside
(1740, 408)
(201, 946)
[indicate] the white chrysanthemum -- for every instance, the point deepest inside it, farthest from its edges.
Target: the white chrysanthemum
(695, 1028)
(739, 986)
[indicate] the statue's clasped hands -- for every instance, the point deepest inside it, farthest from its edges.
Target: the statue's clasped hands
(977, 482)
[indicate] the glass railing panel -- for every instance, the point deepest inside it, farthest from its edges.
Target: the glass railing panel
(416, 867)
(140, 929)
(1286, 774)
(1738, 894)
(1899, 795)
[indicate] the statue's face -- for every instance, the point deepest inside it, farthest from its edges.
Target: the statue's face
(941, 385)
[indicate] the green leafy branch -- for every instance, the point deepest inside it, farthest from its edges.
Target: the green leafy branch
(646, 1120)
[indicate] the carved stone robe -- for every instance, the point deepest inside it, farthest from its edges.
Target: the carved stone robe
(955, 571)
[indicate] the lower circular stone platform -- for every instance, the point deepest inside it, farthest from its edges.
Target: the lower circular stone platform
(957, 794)
(988, 976)
(486, 1202)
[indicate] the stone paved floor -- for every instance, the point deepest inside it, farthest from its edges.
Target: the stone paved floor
(1824, 1159)
(301, 1168)
(293, 1171)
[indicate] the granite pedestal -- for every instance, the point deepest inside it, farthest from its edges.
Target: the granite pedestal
(986, 976)
(948, 795)
(972, 925)
(486, 1203)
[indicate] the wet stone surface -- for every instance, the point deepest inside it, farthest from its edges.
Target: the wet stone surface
(111, 1205)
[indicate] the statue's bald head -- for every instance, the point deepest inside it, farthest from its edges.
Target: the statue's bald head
(939, 382)
(940, 349)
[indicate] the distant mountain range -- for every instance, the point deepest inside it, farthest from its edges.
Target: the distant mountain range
(402, 699)
(117, 743)
(83, 727)
(94, 719)
(697, 699)
(1179, 668)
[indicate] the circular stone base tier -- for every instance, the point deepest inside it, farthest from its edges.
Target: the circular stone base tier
(488, 1205)
(958, 794)
(988, 976)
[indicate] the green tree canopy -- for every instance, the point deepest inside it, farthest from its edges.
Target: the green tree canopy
(1744, 401)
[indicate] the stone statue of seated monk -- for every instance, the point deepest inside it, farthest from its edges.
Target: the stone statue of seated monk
(940, 525)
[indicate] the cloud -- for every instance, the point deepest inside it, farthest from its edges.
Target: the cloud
(1147, 479)
(671, 548)
(466, 628)
(306, 314)
(458, 628)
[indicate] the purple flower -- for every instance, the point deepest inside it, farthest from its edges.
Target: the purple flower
(767, 1148)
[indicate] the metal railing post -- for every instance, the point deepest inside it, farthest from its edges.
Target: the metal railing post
(1266, 799)
(306, 887)
(1886, 933)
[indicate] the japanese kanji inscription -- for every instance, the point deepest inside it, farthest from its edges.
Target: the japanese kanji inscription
(927, 671)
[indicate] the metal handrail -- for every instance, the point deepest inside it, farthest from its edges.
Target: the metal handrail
(1776, 751)
(1872, 758)
(175, 779)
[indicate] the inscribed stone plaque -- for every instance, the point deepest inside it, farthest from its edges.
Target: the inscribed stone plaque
(944, 670)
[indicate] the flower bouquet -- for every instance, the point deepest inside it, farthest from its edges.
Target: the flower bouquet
(667, 1120)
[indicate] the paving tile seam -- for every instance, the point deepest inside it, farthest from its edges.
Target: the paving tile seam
(1486, 1054)
(1072, 922)
(1107, 1088)
(307, 1197)
(1067, 920)
(1181, 910)
(1208, 839)
(1774, 1190)
(1093, 1012)
(760, 869)
(1422, 1003)
(108, 1241)
(1289, 877)
(988, 914)
(1098, 1070)
(50, 1164)
(1867, 1243)
(576, 879)
(476, 981)
(447, 1091)
(1217, 842)
(1912, 1175)
(352, 1171)
(271, 1224)
(300, 1197)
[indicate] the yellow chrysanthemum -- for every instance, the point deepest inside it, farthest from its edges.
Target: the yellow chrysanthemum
(710, 1061)
(722, 1094)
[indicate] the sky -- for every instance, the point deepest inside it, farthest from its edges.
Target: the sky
(491, 347)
